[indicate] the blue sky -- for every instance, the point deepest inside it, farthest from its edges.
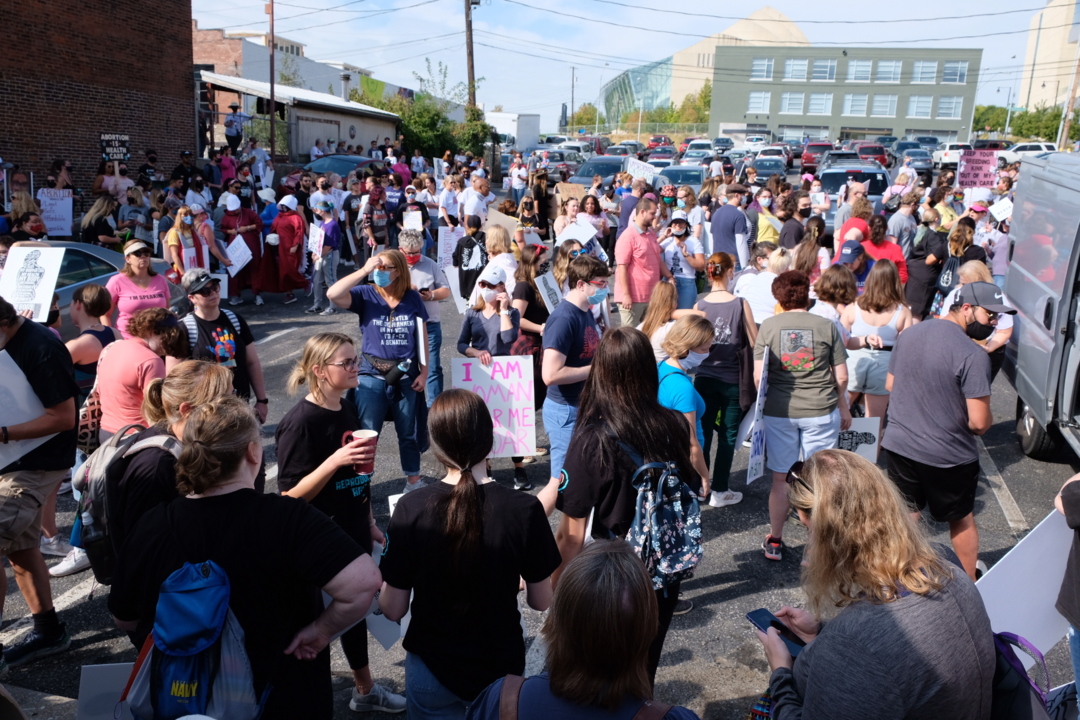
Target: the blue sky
(525, 54)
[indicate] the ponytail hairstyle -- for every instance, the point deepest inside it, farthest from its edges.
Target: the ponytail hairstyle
(317, 352)
(462, 435)
(216, 439)
(195, 382)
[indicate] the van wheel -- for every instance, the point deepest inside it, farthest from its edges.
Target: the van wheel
(1035, 441)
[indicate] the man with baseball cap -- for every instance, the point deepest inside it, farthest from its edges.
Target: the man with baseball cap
(854, 256)
(940, 380)
(730, 226)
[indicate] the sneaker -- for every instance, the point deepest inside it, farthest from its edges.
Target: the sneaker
(327, 311)
(55, 546)
(259, 300)
(65, 488)
(234, 301)
(528, 460)
(313, 309)
(723, 499)
(289, 299)
(409, 487)
(35, 646)
(76, 561)
(980, 569)
(521, 481)
(541, 451)
(774, 549)
(378, 700)
(683, 606)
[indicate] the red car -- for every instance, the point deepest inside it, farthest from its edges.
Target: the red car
(873, 152)
(657, 140)
(687, 141)
(812, 155)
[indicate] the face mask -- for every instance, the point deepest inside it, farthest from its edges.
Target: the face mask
(488, 294)
(814, 189)
(544, 269)
(692, 360)
(724, 200)
(54, 315)
(188, 220)
(51, 182)
(765, 202)
(599, 296)
(804, 212)
(678, 233)
(957, 197)
(977, 330)
(381, 278)
(123, 171)
(681, 203)
(669, 200)
(152, 159)
(412, 258)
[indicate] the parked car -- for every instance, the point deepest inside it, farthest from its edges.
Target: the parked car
(723, 143)
(834, 157)
(659, 140)
(660, 162)
(728, 163)
(679, 176)
(899, 149)
(875, 177)
(560, 161)
(1019, 150)
(921, 162)
(756, 142)
(696, 157)
(990, 145)
(582, 148)
(619, 150)
(555, 139)
(606, 166)
(774, 152)
(812, 155)
(873, 152)
(928, 142)
(796, 147)
(738, 155)
(343, 165)
(663, 151)
(886, 140)
(948, 154)
(686, 143)
(767, 166)
(638, 149)
(702, 144)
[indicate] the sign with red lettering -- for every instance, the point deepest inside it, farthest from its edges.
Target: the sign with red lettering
(506, 386)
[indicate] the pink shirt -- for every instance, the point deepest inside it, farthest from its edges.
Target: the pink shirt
(640, 253)
(129, 298)
(123, 373)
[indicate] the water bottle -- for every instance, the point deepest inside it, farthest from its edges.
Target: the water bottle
(397, 372)
(98, 549)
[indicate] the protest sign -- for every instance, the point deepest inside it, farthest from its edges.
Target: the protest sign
(581, 230)
(569, 190)
(18, 404)
(1002, 209)
(414, 220)
(550, 293)
(440, 168)
(448, 240)
(639, 169)
(315, 239)
(756, 467)
(977, 168)
(862, 438)
(497, 218)
(239, 254)
(1021, 589)
(507, 388)
(29, 279)
(56, 211)
(506, 183)
(453, 281)
(114, 146)
(100, 688)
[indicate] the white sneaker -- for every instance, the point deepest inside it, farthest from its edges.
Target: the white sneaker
(728, 497)
(234, 301)
(55, 546)
(378, 700)
(76, 561)
(327, 311)
(259, 300)
(409, 487)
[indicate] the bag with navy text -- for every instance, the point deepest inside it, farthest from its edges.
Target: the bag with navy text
(194, 662)
(666, 532)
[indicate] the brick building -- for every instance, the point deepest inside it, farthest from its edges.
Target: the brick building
(80, 70)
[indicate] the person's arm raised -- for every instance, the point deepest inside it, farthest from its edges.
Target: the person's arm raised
(340, 293)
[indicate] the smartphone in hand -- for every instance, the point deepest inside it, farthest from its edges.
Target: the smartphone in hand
(762, 619)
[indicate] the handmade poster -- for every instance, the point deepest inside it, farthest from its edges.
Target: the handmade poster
(239, 254)
(506, 183)
(639, 169)
(497, 218)
(582, 231)
(440, 168)
(862, 438)
(1021, 589)
(1002, 209)
(29, 279)
(454, 283)
(315, 239)
(448, 240)
(56, 211)
(414, 220)
(756, 466)
(18, 404)
(569, 190)
(550, 292)
(507, 388)
(977, 168)
(100, 688)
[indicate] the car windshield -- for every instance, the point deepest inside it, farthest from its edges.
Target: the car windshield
(871, 150)
(818, 147)
(684, 176)
(769, 166)
(771, 151)
(876, 182)
(664, 150)
(618, 150)
(555, 156)
(696, 153)
(599, 166)
(905, 144)
(917, 154)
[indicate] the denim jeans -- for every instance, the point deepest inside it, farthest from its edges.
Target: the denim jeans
(722, 417)
(517, 194)
(999, 280)
(559, 422)
(435, 376)
(687, 289)
(1074, 650)
(373, 404)
(323, 276)
(426, 698)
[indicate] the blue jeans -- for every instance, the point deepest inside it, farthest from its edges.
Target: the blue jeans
(559, 422)
(999, 280)
(426, 698)
(517, 194)
(373, 404)
(1074, 650)
(435, 376)
(687, 289)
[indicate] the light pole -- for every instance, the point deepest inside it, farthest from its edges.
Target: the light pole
(599, 94)
(1008, 113)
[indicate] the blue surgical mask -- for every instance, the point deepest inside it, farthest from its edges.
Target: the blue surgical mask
(599, 296)
(765, 202)
(692, 360)
(381, 278)
(188, 220)
(681, 203)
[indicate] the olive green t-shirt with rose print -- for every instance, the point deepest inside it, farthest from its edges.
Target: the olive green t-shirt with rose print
(803, 348)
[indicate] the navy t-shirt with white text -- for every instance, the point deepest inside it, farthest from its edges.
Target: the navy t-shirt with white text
(573, 332)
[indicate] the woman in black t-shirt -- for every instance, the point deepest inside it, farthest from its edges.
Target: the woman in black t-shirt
(277, 552)
(533, 312)
(462, 546)
(316, 465)
(619, 405)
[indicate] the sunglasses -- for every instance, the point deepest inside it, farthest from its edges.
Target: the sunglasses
(210, 289)
(794, 475)
(348, 365)
(575, 253)
(140, 253)
(486, 285)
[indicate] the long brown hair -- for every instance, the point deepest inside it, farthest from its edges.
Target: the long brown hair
(527, 268)
(878, 229)
(562, 261)
(805, 258)
(960, 239)
(883, 289)
(662, 302)
(601, 624)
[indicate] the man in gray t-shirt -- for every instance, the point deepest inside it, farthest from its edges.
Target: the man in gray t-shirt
(429, 280)
(939, 380)
(902, 224)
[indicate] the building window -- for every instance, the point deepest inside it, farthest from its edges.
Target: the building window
(820, 104)
(791, 103)
(884, 106)
(761, 69)
(855, 104)
(824, 70)
(925, 72)
(759, 102)
(889, 70)
(920, 106)
(949, 107)
(955, 72)
(795, 69)
(859, 70)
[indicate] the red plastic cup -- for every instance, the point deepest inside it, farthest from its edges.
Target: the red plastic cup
(368, 437)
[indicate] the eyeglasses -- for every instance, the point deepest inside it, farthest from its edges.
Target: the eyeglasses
(213, 287)
(599, 283)
(348, 365)
(794, 475)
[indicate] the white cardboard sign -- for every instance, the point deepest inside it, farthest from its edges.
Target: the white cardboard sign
(454, 283)
(862, 438)
(100, 688)
(57, 211)
(1002, 209)
(550, 292)
(507, 388)
(18, 404)
(756, 466)
(239, 254)
(29, 279)
(581, 230)
(448, 240)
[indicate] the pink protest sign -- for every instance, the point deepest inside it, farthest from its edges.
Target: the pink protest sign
(978, 168)
(507, 388)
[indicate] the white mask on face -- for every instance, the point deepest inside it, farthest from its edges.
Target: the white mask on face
(692, 360)
(488, 294)
(765, 202)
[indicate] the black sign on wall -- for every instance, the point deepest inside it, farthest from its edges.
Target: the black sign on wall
(114, 146)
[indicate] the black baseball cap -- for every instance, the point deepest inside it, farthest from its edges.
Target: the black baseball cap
(985, 295)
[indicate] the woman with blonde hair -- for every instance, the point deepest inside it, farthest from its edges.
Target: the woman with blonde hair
(565, 252)
(98, 227)
(501, 253)
(528, 230)
(136, 287)
(874, 321)
(889, 598)
(962, 247)
(757, 289)
(183, 246)
(394, 369)
(22, 203)
(317, 456)
(661, 315)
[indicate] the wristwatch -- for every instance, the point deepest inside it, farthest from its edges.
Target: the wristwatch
(264, 401)
(504, 312)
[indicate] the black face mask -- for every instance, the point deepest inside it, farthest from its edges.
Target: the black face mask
(152, 159)
(51, 182)
(804, 212)
(123, 171)
(545, 268)
(54, 315)
(978, 331)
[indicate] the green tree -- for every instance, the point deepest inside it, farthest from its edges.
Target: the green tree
(288, 73)
(695, 107)
(992, 116)
(474, 132)
(587, 116)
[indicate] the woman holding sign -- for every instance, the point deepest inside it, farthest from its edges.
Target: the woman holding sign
(322, 462)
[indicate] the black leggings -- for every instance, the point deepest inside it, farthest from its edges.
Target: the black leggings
(354, 645)
(666, 600)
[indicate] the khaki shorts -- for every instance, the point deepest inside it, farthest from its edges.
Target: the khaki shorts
(22, 495)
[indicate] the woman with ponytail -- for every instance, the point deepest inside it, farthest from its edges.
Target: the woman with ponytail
(462, 546)
(316, 464)
(278, 552)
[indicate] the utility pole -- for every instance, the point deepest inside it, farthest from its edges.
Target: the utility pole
(273, 102)
(1034, 62)
(1008, 111)
(469, 52)
(573, 77)
(1067, 111)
